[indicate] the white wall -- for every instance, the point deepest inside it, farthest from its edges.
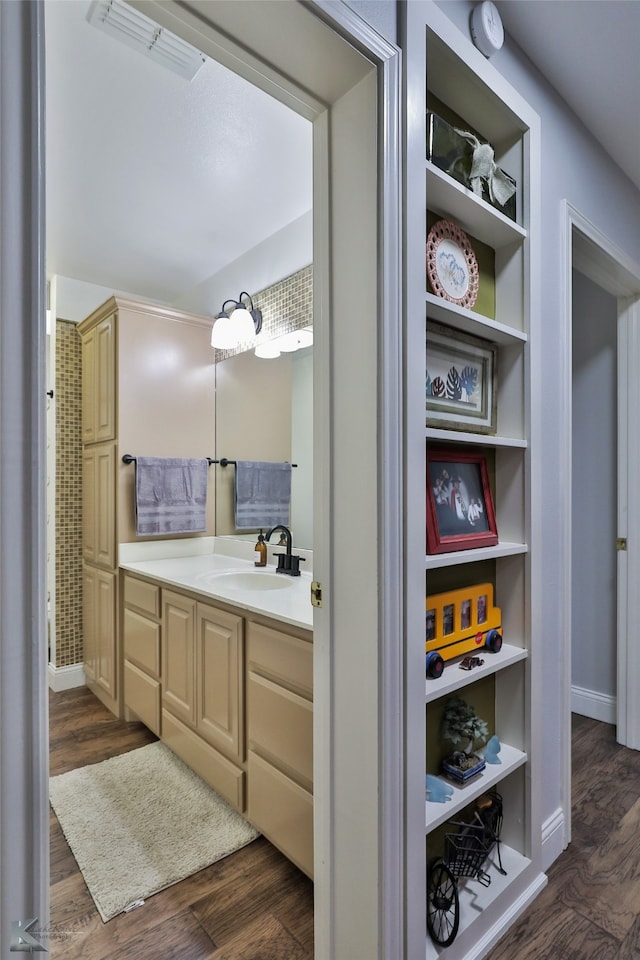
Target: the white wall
(576, 168)
(594, 494)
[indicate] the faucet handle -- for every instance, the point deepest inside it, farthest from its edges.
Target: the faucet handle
(295, 561)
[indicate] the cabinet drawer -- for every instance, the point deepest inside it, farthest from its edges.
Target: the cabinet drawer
(222, 775)
(280, 727)
(282, 810)
(282, 658)
(142, 696)
(142, 595)
(142, 642)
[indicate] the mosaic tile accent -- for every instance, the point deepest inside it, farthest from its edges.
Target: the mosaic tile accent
(68, 496)
(285, 306)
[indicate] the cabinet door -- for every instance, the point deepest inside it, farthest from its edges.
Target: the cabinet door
(88, 355)
(219, 679)
(105, 384)
(178, 655)
(98, 382)
(89, 505)
(98, 505)
(105, 611)
(99, 628)
(89, 643)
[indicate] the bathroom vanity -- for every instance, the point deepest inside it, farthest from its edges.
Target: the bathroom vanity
(218, 662)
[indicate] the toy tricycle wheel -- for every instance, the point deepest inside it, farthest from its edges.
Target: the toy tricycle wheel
(443, 907)
(493, 641)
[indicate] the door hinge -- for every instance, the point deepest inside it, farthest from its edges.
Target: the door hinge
(316, 594)
(621, 543)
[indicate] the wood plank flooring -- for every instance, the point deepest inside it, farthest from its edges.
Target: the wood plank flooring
(253, 905)
(590, 909)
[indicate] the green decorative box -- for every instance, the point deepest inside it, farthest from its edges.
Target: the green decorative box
(470, 164)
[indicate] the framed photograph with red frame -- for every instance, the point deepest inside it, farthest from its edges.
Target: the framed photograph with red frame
(460, 513)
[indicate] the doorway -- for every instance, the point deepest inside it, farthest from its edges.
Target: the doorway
(356, 250)
(602, 345)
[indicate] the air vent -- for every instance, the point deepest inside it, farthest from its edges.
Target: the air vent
(143, 34)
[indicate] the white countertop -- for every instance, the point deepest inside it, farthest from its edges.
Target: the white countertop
(204, 574)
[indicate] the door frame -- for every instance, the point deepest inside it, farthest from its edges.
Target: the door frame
(359, 734)
(587, 249)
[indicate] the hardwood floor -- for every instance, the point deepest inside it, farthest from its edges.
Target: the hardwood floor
(253, 905)
(590, 909)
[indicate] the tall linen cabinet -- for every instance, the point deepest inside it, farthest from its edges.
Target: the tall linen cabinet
(444, 72)
(148, 389)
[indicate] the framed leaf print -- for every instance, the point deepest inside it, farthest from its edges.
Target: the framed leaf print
(460, 380)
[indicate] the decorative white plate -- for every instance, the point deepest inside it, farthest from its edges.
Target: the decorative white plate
(452, 267)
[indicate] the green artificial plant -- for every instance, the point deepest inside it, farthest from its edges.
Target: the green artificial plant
(460, 722)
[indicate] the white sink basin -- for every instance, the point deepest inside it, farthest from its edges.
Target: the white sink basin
(250, 580)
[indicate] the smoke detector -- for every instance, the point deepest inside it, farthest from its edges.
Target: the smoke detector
(146, 36)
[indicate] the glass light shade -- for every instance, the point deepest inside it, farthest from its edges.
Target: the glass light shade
(268, 350)
(223, 334)
(245, 328)
(295, 340)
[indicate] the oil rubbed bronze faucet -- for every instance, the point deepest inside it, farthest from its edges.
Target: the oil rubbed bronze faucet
(287, 563)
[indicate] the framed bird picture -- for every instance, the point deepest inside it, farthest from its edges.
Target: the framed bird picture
(460, 380)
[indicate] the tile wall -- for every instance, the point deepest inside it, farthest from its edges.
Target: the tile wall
(68, 496)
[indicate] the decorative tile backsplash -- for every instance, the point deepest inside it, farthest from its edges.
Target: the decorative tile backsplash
(68, 496)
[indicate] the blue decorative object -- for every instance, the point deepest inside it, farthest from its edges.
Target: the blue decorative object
(437, 790)
(492, 750)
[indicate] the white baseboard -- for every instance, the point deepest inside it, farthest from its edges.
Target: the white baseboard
(554, 840)
(64, 678)
(596, 706)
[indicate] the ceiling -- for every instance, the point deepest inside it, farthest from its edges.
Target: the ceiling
(589, 51)
(154, 183)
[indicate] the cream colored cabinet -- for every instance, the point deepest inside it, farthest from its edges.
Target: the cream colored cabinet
(220, 680)
(178, 656)
(98, 505)
(141, 648)
(99, 616)
(280, 739)
(130, 405)
(203, 691)
(98, 382)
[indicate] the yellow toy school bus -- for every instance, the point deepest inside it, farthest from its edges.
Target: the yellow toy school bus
(460, 621)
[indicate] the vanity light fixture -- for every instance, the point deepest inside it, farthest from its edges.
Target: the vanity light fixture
(237, 322)
(287, 343)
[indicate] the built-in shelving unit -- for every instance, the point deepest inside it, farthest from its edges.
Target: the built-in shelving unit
(441, 61)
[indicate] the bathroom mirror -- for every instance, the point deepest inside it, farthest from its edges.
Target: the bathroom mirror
(264, 411)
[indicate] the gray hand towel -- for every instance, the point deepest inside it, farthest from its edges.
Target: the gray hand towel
(262, 494)
(171, 495)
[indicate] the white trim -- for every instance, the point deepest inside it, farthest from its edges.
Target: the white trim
(553, 838)
(65, 678)
(590, 703)
(359, 864)
(593, 253)
(24, 760)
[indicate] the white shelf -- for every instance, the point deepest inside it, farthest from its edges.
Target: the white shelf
(503, 549)
(453, 201)
(453, 678)
(438, 813)
(473, 897)
(467, 321)
(483, 439)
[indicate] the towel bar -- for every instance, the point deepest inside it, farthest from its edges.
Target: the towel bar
(128, 458)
